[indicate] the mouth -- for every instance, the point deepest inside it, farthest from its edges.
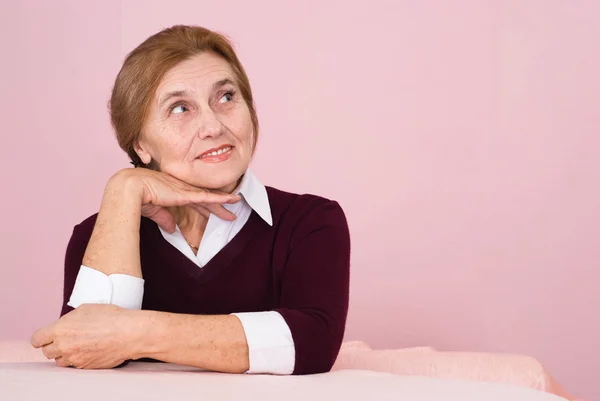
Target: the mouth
(216, 155)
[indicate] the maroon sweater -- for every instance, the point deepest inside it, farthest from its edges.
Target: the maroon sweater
(298, 267)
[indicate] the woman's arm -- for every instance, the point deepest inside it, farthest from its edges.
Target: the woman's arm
(216, 343)
(96, 336)
(93, 275)
(114, 244)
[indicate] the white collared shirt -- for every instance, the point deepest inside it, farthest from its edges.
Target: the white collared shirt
(270, 343)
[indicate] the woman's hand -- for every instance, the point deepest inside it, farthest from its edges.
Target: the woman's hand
(92, 336)
(158, 191)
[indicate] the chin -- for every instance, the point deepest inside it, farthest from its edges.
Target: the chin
(220, 181)
(218, 176)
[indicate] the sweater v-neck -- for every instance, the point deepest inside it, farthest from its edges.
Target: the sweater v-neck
(161, 248)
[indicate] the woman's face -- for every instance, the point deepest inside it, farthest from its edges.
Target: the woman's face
(199, 127)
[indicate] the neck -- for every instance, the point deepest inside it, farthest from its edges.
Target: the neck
(189, 220)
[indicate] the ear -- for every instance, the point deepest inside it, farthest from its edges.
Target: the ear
(142, 151)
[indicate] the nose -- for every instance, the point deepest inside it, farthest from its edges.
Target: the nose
(209, 125)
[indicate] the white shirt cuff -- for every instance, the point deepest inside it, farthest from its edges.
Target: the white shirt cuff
(270, 342)
(95, 287)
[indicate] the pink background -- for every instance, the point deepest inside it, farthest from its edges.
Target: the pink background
(460, 137)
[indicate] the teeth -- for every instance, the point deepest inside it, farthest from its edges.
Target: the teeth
(217, 152)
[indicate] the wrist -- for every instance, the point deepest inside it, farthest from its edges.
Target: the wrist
(135, 326)
(122, 197)
(124, 183)
(143, 336)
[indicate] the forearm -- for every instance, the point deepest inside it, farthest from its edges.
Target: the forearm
(114, 244)
(212, 342)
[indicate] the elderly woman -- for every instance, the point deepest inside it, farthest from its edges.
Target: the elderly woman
(191, 260)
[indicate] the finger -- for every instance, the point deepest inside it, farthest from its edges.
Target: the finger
(42, 337)
(235, 199)
(201, 209)
(51, 351)
(212, 197)
(221, 212)
(62, 362)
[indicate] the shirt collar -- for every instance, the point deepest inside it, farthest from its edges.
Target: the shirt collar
(255, 194)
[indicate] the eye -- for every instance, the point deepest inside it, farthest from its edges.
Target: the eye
(227, 97)
(178, 109)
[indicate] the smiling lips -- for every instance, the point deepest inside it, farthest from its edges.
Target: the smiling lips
(216, 155)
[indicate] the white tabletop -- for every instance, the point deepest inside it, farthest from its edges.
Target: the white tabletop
(44, 381)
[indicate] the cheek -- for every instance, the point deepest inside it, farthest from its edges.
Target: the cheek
(179, 130)
(240, 125)
(171, 144)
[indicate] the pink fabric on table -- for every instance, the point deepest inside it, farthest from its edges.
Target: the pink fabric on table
(519, 370)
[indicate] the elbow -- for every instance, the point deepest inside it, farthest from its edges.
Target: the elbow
(318, 352)
(317, 336)
(319, 358)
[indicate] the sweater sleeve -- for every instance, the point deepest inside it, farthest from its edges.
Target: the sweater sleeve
(315, 286)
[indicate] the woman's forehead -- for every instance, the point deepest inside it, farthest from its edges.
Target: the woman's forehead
(201, 73)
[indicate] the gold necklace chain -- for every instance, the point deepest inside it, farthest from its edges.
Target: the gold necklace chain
(191, 246)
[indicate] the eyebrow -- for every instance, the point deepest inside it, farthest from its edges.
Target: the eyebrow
(173, 94)
(184, 93)
(222, 83)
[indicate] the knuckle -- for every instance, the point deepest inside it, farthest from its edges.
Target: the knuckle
(61, 348)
